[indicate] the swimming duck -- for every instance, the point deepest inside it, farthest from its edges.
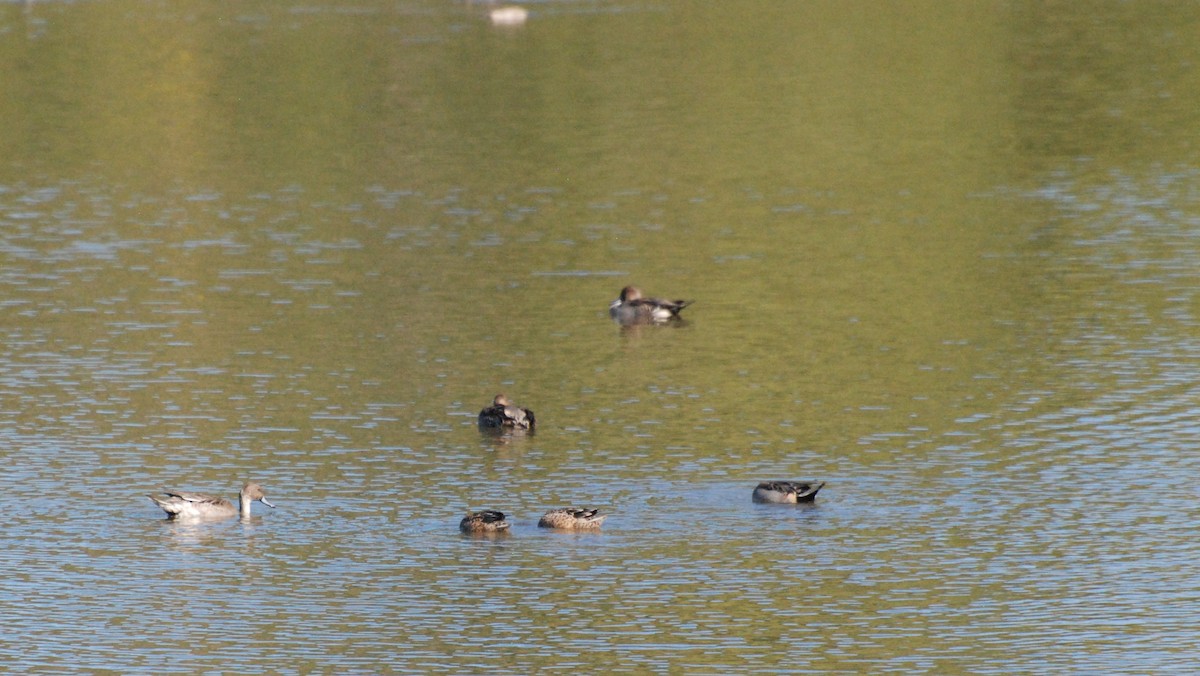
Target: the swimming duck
(184, 505)
(486, 521)
(789, 492)
(503, 413)
(572, 518)
(632, 308)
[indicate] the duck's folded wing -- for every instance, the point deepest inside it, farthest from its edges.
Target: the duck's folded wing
(194, 497)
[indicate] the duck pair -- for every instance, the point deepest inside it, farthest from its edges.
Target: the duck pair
(630, 308)
(567, 518)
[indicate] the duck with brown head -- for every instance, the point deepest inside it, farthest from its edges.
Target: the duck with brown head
(504, 413)
(632, 308)
(187, 505)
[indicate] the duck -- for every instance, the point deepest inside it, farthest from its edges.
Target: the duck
(191, 506)
(504, 413)
(632, 308)
(572, 518)
(787, 492)
(486, 521)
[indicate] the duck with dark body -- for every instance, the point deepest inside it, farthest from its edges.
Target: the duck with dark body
(504, 413)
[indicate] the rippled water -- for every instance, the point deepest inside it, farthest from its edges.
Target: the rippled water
(1045, 522)
(991, 362)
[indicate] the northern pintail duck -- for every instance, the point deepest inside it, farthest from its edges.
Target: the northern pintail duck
(184, 505)
(572, 518)
(504, 413)
(789, 492)
(486, 521)
(632, 308)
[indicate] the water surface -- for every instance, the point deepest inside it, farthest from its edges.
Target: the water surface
(943, 258)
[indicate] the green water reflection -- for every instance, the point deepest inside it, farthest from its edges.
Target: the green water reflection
(312, 241)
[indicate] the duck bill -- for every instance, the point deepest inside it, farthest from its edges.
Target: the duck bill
(264, 501)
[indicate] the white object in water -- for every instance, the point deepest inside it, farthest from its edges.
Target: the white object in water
(511, 15)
